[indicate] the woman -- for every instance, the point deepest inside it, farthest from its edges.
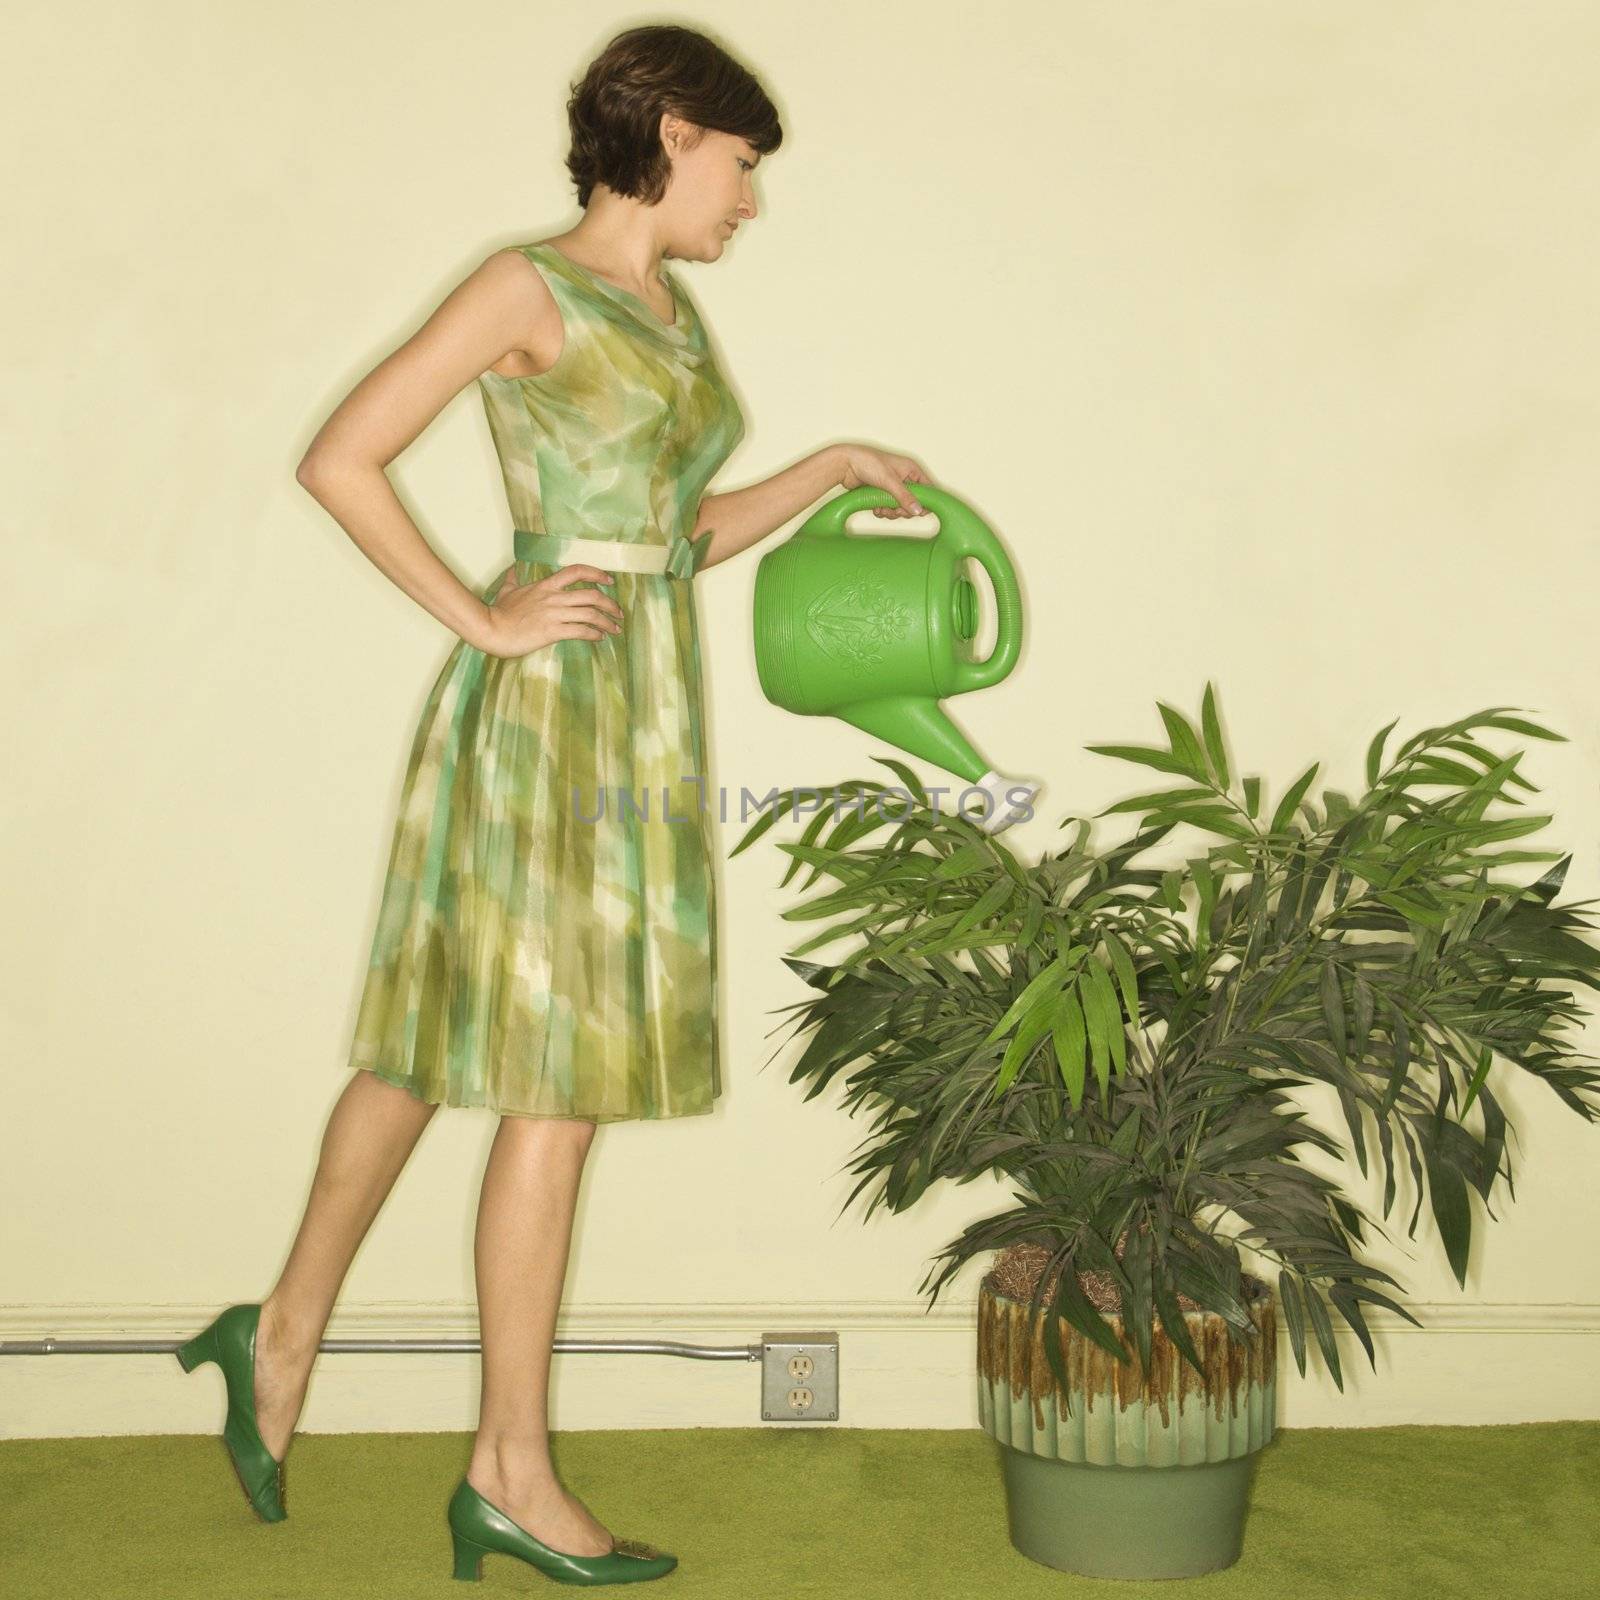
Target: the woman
(540, 950)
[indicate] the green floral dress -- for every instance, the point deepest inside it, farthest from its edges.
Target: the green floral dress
(546, 940)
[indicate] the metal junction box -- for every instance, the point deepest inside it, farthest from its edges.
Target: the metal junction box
(800, 1377)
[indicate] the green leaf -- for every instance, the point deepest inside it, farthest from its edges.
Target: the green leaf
(1293, 1316)
(1375, 759)
(1160, 798)
(1436, 769)
(1172, 1314)
(814, 973)
(1163, 760)
(1126, 977)
(1110, 1015)
(1172, 889)
(1206, 884)
(1510, 828)
(1363, 1017)
(1185, 746)
(769, 815)
(1212, 729)
(1219, 819)
(1344, 1298)
(1544, 891)
(1094, 1016)
(1402, 1062)
(1517, 725)
(1481, 1072)
(1138, 1306)
(1032, 921)
(1375, 1297)
(984, 907)
(1494, 1141)
(1338, 806)
(829, 935)
(1447, 1194)
(1414, 909)
(1252, 797)
(1323, 1325)
(1072, 1303)
(1069, 1037)
(1386, 1144)
(1285, 811)
(1333, 1006)
(907, 777)
(1049, 978)
(964, 860)
(804, 851)
(1352, 1117)
(1126, 1139)
(1034, 1026)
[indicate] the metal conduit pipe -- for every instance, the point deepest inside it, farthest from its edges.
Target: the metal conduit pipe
(799, 1371)
(334, 1347)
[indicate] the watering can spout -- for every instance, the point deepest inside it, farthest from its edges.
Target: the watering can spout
(1011, 799)
(918, 726)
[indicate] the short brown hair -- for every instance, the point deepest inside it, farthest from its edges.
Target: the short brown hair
(615, 110)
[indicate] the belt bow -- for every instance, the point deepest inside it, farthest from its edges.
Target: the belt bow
(685, 557)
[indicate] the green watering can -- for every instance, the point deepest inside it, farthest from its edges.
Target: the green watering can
(876, 629)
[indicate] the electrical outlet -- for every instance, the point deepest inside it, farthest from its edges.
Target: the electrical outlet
(800, 1377)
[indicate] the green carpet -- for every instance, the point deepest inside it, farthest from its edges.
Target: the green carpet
(766, 1513)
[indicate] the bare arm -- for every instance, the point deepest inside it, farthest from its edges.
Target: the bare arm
(740, 518)
(501, 306)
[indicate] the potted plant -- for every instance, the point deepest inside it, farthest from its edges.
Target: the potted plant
(1119, 1041)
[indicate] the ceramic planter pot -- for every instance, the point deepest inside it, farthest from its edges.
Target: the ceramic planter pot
(1146, 1475)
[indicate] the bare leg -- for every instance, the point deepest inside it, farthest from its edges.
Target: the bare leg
(525, 1210)
(371, 1131)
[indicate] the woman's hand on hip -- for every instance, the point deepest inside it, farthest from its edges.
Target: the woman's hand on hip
(861, 464)
(524, 617)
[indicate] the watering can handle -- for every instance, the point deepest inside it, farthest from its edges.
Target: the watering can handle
(967, 537)
(975, 540)
(831, 518)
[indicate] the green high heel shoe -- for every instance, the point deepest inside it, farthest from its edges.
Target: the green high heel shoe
(230, 1341)
(478, 1529)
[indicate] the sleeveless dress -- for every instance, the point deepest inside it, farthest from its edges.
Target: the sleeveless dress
(546, 939)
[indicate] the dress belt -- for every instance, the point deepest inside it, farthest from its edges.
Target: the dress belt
(682, 558)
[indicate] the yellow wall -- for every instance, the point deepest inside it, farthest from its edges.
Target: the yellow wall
(1263, 334)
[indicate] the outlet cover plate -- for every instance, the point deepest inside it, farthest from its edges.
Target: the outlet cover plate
(800, 1377)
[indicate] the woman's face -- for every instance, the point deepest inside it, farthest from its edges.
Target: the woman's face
(711, 192)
